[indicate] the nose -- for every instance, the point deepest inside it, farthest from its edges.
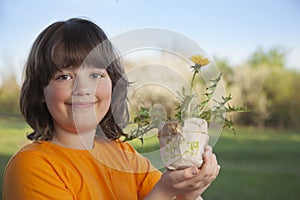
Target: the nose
(81, 87)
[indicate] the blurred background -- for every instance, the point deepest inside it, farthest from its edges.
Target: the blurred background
(256, 46)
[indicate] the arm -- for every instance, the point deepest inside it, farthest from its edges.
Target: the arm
(188, 183)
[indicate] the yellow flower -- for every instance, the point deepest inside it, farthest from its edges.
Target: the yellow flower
(200, 60)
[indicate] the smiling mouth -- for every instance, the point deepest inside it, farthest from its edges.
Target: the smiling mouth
(80, 105)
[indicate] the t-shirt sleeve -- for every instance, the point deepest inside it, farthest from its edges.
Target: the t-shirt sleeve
(30, 176)
(146, 174)
(146, 181)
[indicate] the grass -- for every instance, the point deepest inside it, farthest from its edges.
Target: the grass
(256, 164)
(12, 135)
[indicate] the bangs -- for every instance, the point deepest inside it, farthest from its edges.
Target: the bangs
(76, 46)
(67, 54)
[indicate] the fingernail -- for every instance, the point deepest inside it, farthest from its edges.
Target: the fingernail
(207, 153)
(194, 171)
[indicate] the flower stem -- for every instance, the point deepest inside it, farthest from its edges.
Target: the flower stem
(192, 82)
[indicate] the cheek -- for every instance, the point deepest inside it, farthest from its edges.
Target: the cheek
(55, 95)
(103, 94)
(104, 91)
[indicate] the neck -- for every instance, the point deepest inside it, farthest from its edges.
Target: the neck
(80, 141)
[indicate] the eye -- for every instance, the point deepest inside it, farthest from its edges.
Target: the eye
(96, 75)
(63, 77)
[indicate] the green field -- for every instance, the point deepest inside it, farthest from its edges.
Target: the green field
(256, 164)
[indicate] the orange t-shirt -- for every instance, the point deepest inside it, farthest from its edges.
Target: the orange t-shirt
(111, 170)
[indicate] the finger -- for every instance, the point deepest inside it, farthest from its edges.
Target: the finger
(210, 166)
(179, 180)
(207, 150)
(215, 167)
(207, 174)
(209, 161)
(218, 169)
(212, 177)
(206, 139)
(178, 176)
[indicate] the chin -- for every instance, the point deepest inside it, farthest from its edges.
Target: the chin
(85, 125)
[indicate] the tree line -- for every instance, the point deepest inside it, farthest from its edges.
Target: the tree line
(263, 83)
(266, 87)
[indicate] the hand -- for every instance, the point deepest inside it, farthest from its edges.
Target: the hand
(189, 183)
(206, 174)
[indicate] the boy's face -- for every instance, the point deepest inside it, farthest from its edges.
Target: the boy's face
(78, 98)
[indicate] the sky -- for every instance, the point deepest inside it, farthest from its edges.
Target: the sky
(230, 29)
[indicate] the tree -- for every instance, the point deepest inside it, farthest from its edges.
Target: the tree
(282, 89)
(248, 90)
(9, 95)
(274, 58)
(269, 89)
(226, 69)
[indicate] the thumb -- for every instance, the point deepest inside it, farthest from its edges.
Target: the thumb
(192, 171)
(184, 174)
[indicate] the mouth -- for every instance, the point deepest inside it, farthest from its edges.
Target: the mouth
(81, 105)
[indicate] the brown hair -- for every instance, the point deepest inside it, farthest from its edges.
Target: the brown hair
(64, 44)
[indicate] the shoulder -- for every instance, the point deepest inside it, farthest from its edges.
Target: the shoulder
(40, 161)
(27, 163)
(34, 149)
(28, 156)
(37, 156)
(32, 172)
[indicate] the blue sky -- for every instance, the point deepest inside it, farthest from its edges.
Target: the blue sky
(228, 29)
